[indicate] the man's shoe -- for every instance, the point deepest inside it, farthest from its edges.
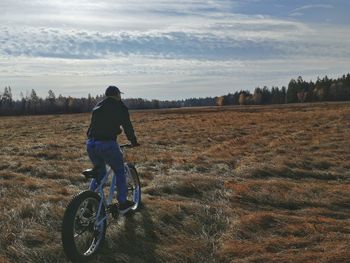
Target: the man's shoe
(125, 207)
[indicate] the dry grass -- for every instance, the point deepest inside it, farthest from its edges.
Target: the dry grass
(233, 184)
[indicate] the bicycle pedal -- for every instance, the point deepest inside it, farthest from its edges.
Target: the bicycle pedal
(114, 210)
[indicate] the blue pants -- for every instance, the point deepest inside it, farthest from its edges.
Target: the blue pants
(108, 152)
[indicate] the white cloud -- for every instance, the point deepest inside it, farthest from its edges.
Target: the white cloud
(237, 40)
(306, 7)
(159, 78)
(296, 14)
(160, 48)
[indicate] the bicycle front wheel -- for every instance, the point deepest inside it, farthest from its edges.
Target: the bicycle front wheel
(134, 186)
(81, 236)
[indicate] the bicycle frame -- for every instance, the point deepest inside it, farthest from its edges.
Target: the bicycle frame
(99, 188)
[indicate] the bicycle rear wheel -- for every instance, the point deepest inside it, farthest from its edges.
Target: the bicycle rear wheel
(81, 239)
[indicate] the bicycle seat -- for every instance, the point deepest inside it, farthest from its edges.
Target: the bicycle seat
(90, 173)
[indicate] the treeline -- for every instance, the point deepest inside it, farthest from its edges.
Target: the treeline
(298, 90)
(32, 104)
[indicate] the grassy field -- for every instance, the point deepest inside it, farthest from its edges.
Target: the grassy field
(232, 184)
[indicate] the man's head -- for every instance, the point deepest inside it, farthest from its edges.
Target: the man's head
(113, 91)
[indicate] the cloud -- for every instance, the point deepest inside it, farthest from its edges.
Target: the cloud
(306, 7)
(106, 14)
(243, 39)
(83, 29)
(158, 78)
(298, 12)
(46, 42)
(157, 48)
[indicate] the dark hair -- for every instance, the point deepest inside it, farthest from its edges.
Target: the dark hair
(112, 91)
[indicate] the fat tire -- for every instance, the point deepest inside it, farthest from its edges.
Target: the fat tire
(68, 226)
(135, 175)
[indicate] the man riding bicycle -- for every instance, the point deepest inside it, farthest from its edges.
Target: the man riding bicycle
(102, 147)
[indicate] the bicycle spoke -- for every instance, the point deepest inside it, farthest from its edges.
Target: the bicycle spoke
(78, 235)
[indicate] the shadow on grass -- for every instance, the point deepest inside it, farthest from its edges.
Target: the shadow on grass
(296, 174)
(133, 241)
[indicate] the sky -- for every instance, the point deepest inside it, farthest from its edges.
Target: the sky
(170, 49)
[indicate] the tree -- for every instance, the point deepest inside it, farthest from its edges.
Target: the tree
(220, 101)
(90, 102)
(7, 95)
(50, 102)
(6, 103)
(302, 96)
(33, 96)
(23, 102)
(283, 95)
(257, 97)
(265, 95)
(292, 91)
(33, 102)
(51, 97)
(242, 98)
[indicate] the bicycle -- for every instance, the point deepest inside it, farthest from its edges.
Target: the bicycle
(85, 219)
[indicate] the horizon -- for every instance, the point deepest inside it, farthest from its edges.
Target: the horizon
(169, 50)
(178, 99)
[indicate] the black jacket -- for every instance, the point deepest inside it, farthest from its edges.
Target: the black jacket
(107, 117)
